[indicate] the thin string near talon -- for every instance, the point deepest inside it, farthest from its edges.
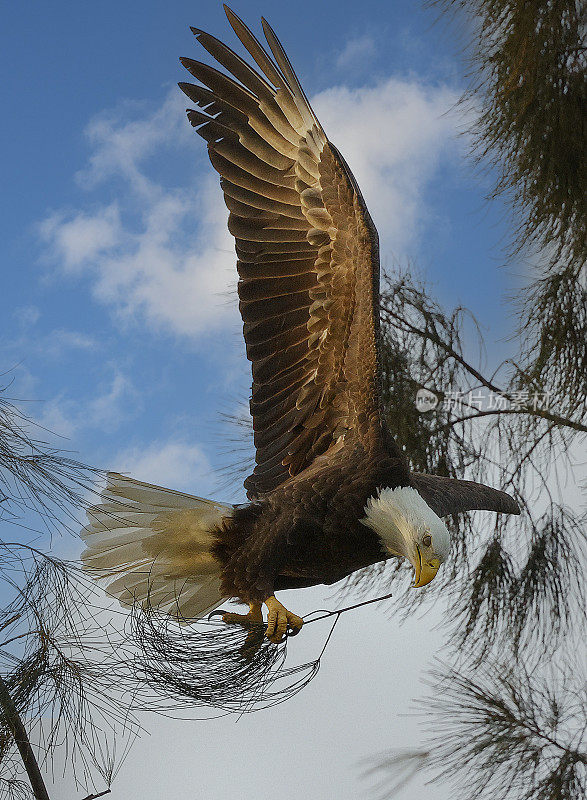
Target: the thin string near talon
(325, 613)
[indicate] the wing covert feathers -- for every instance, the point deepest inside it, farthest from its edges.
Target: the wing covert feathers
(307, 256)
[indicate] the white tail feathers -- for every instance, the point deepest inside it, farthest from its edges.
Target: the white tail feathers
(152, 545)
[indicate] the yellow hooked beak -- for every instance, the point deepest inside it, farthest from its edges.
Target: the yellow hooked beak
(424, 571)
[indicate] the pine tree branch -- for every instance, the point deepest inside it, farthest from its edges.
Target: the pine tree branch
(429, 335)
(547, 415)
(448, 349)
(21, 739)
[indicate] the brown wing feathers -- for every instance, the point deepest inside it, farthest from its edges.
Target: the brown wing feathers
(306, 259)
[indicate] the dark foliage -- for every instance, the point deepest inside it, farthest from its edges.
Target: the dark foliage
(35, 476)
(56, 657)
(501, 733)
(553, 320)
(527, 73)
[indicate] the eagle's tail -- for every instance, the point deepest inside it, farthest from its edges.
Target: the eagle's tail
(153, 547)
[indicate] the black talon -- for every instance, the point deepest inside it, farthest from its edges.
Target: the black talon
(218, 613)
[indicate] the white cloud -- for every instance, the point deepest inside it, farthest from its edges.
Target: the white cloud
(394, 136)
(163, 256)
(120, 146)
(174, 279)
(26, 316)
(56, 417)
(83, 238)
(173, 464)
(55, 344)
(105, 411)
(60, 340)
(356, 51)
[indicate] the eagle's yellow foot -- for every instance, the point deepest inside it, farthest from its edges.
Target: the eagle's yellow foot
(254, 616)
(279, 619)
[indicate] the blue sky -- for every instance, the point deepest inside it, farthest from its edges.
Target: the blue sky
(120, 321)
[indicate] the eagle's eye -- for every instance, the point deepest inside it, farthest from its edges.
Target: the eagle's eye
(427, 540)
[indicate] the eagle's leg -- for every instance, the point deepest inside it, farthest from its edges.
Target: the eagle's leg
(279, 619)
(254, 616)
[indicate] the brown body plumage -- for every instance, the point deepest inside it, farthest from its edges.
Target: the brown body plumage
(308, 530)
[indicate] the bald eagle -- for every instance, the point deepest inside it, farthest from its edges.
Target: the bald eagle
(331, 492)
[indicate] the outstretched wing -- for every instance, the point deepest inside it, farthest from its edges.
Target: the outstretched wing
(450, 496)
(308, 258)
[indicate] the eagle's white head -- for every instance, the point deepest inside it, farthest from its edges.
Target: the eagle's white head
(408, 527)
